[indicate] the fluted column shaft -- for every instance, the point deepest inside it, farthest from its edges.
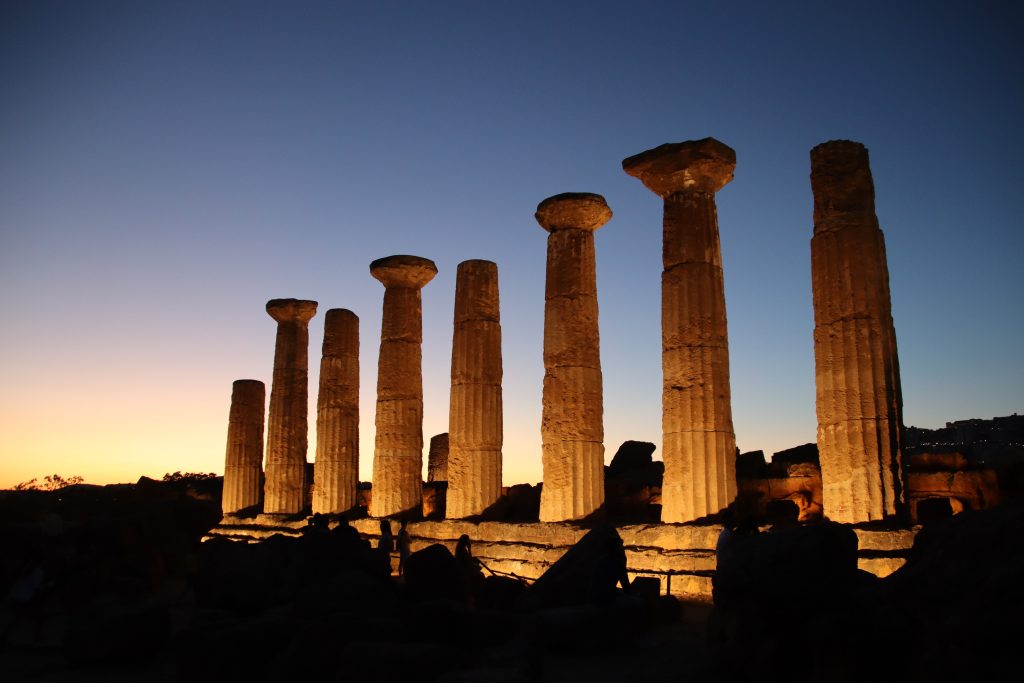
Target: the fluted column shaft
(437, 458)
(859, 400)
(572, 421)
(243, 462)
(699, 444)
(398, 451)
(336, 469)
(475, 415)
(287, 428)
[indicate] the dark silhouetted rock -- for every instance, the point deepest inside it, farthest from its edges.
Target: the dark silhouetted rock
(584, 573)
(632, 455)
(433, 573)
(750, 465)
(808, 452)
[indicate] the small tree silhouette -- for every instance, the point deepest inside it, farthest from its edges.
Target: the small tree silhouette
(51, 482)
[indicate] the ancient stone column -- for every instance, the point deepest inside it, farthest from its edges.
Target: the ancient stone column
(859, 401)
(475, 415)
(287, 430)
(243, 463)
(572, 422)
(398, 451)
(437, 458)
(336, 469)
(698, 442)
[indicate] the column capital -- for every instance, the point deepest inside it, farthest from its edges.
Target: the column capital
(573, 211)
(291, 310)
(693, 166)
(403, 270)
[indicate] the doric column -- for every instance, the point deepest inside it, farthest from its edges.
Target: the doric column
(437, 458)
(859, 401)
(243, 463)
(336, 469)
(572, 423)
(398, 451)
(475, 416)
(287, 430)
(698, 442)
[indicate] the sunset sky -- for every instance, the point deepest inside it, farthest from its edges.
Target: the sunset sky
(166, 168)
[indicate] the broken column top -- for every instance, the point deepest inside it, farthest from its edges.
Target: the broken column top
(573, 211)
(701, 165)
(403, 271)
(284, 310)
(841, 182)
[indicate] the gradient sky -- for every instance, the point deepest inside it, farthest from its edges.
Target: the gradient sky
(165, 169)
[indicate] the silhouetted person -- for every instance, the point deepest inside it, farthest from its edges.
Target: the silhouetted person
(609, 572)
(317, 525)
(469, 568)
(464, 551)
(386, 543)
(404, 546)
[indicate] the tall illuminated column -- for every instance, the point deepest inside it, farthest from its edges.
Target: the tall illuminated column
(287, 429)
(857, 375)
(698, 442)
(475, 416)
(398, 451)
(336, 469)
(243, 462)
(572, 422)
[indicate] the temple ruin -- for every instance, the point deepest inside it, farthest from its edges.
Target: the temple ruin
(857, 373)
(698, 442)
(336, 468)
(287, 429)
(475, 414)
(398, 451)
(243, 463)
(572, 423)
(855, 473)
(437, 458)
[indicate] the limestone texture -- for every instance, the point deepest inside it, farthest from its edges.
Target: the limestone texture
(287, 429)
(398, 448)
(336, 469)
(243, 463)
(437, 458)
(572, 421)
(859, 402)
(475, 414)
(698, 441)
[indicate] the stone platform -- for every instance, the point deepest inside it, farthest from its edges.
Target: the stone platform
(681, 556)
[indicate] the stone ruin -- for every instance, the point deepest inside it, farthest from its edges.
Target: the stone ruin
(857, 473)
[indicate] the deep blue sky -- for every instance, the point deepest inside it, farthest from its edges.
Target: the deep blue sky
(167, 168)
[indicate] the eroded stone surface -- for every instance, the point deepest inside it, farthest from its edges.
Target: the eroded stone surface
(573, 211)
(287, 429)
(572, 422)
(692, 166)
(336, 469)
(243, 463)
(437, 458)
(859, 401)
(398, 451)
(475, 415)
(698, 441)
(403, 270)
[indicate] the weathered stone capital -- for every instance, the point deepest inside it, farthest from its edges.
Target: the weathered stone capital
(693, 166)
(291, 310)
(573, 211)
(403, 271)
